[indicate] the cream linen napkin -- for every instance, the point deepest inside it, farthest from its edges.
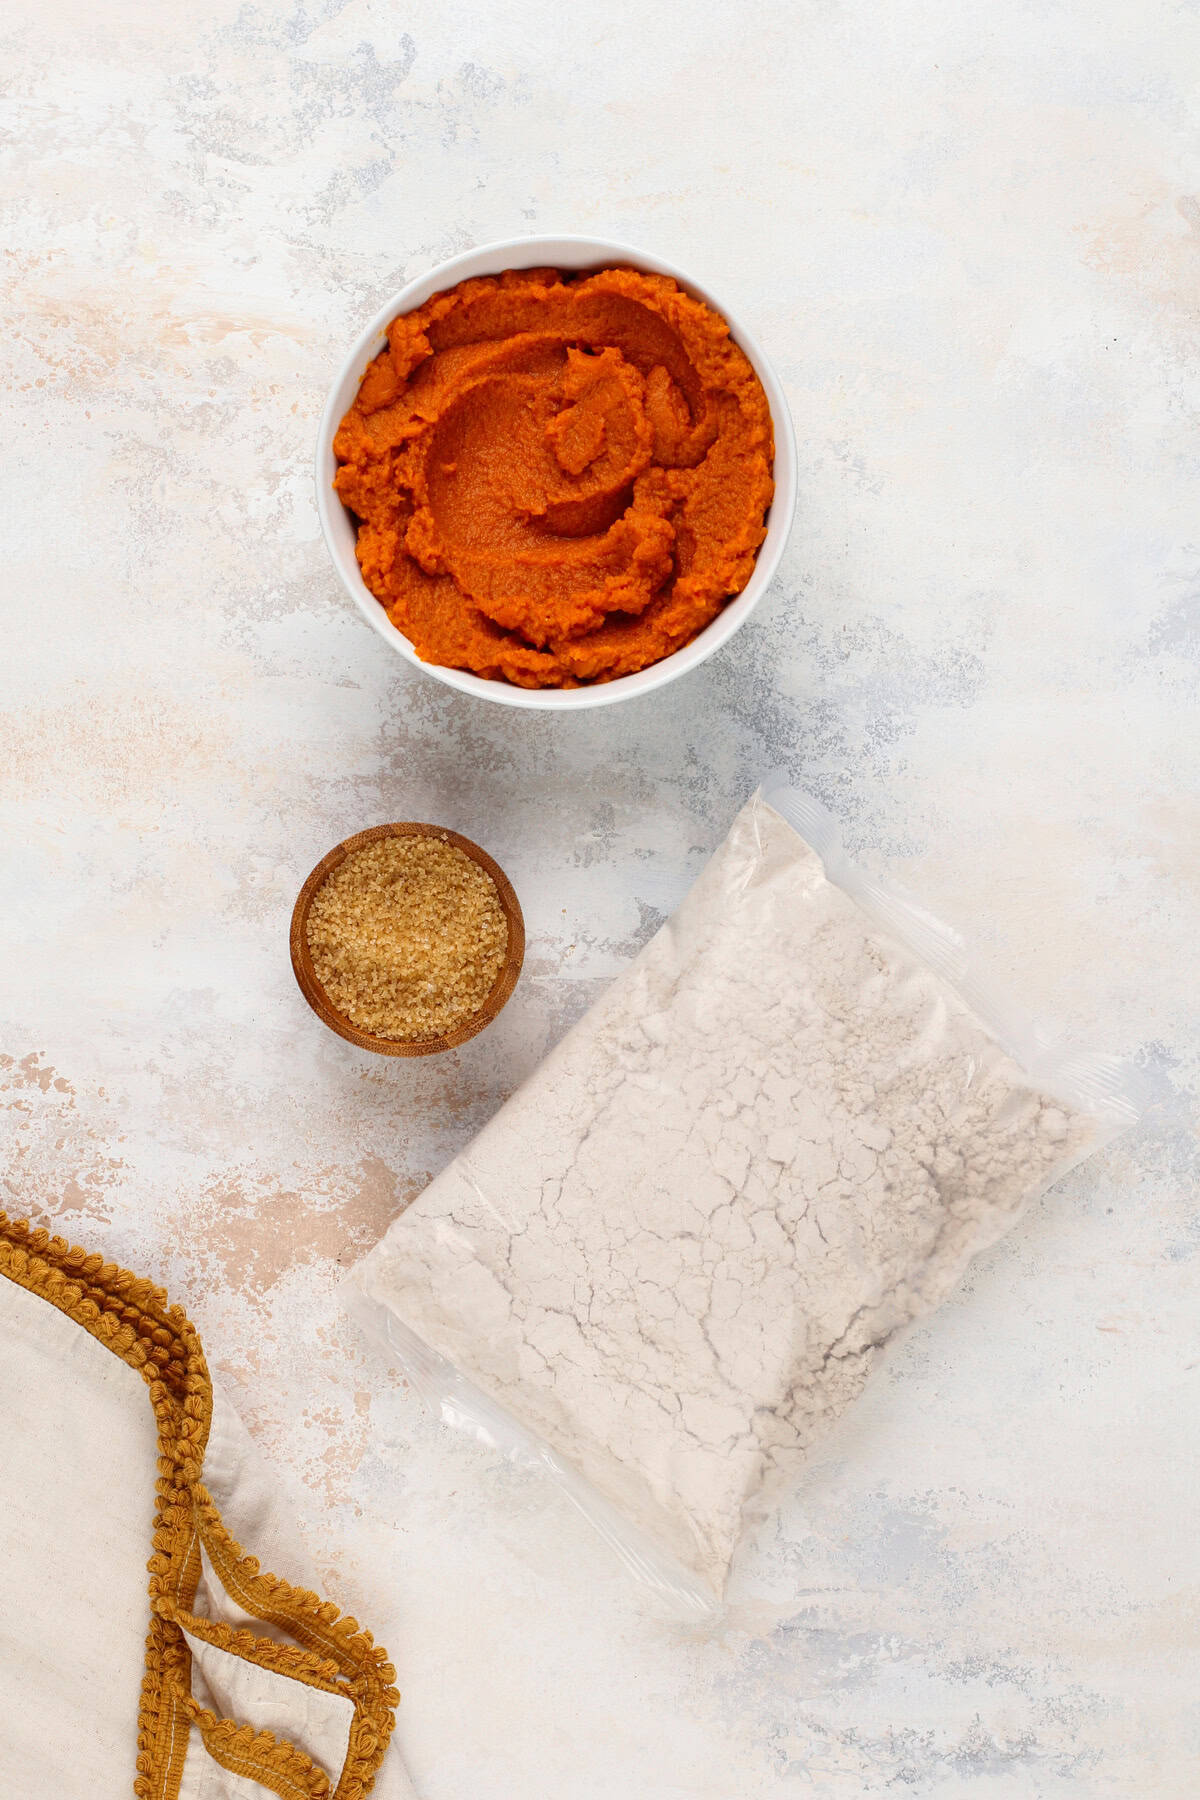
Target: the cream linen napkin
(219, 1682)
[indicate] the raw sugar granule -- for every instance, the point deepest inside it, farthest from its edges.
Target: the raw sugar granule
(407, 936)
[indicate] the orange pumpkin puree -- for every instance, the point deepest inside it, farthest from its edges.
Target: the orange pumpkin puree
(557, 480)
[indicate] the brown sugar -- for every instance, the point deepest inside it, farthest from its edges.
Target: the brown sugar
(407, 937)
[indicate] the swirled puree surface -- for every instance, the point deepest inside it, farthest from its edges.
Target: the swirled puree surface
(557, 480)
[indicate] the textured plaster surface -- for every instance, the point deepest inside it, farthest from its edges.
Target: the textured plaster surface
(969, 238)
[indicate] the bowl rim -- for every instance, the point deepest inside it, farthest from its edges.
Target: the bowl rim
(576, 251)
(310, 986)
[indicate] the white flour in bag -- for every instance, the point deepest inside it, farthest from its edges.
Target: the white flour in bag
(677, 1251)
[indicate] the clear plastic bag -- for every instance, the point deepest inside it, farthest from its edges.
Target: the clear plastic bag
(676, 1254)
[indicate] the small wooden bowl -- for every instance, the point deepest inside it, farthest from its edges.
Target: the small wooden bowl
(315, 994)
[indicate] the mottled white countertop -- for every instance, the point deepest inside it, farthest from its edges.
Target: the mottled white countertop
(969, 238)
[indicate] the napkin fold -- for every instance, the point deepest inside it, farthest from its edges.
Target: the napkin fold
(218, 1681)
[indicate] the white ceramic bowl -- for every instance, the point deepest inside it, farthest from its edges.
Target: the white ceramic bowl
(558, 253)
